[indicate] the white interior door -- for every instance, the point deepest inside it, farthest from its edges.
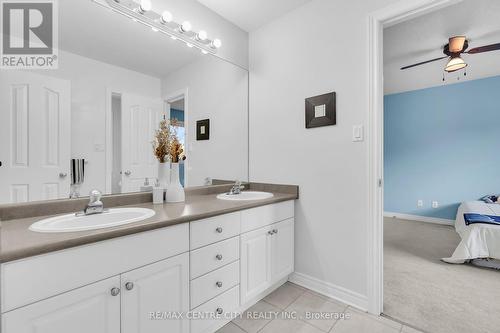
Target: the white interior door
(162, 287)
(140, 118)
(35, 139)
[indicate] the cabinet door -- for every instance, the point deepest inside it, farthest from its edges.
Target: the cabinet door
(282, 250)
(255, 263)
(153, 295)
(88, 309)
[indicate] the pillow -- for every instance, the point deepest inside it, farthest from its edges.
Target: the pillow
(490, 199)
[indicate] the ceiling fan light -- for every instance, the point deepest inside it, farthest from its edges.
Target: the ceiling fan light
(455, 64)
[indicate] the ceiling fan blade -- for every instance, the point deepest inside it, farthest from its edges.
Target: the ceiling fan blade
(423, 62)
(485, 48)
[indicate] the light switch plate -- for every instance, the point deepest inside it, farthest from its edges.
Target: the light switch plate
(435, 204)
(357, 133)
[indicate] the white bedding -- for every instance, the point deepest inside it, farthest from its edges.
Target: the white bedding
(478, 240)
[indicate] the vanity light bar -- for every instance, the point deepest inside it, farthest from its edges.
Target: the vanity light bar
(141, 12)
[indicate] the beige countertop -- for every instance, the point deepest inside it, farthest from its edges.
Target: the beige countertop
(17, 241)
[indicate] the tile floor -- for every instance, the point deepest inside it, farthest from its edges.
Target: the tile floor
(273, 315)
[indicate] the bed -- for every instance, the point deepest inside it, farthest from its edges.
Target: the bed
(479, 240)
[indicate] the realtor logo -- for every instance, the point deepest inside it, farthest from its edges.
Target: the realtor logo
(29, 34)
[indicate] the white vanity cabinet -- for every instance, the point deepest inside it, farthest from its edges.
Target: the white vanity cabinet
(267, 256)
(151, 292)
(149, 282)
(87, 309)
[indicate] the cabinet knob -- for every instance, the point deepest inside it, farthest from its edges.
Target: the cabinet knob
(115, 291)
(218, 257)
(218, 284)
(62, 175)
(128, 173)
(270, 232)
(275, 231)
(219, 230)
(129, 285)
(219, 311)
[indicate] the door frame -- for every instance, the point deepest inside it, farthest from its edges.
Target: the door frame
(172, 97)
(377, 21)
(109, 91)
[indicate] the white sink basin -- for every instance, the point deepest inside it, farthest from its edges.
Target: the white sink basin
(111, 218)
(246, 195)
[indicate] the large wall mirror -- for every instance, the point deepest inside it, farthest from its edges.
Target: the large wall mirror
(90, 123)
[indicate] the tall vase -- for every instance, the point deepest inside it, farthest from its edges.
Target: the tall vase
(175, 192)
(164, 174)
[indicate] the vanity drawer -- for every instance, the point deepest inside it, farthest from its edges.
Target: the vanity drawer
(214, 283)
(259, 217)
(222, 305)
(214, 229)
(213, 256)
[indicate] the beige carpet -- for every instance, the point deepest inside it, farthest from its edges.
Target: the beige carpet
(434, 296)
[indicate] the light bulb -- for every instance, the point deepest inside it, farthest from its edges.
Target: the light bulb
(204, 52)
(173, 37)
(455, 64)
(154, 29)
(145, 6)
(186, 26)
(166, 17)
(202, 35)
(189, 45)
(216, 43)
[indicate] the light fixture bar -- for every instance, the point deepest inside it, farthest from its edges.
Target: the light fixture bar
(132, 10)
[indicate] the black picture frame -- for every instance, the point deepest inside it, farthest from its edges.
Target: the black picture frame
(321, 110)
(203, 130)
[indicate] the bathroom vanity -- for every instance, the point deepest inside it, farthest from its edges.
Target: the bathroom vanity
(190, 268)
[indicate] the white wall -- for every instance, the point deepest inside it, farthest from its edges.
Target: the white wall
(318, 48)
(219, 91)
(89, 80)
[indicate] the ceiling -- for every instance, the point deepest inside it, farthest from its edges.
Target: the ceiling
(250, 15)
(128, 44)
(423, 38)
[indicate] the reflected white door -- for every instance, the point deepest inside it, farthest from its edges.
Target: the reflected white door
(35, 142)
(140, 118)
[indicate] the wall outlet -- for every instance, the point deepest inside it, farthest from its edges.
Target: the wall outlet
(420, 203)
(435, 204)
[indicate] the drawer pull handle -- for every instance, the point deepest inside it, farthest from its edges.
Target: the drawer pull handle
(219, 230)
(219, 311)
(218, 284)
(218, 257)
(129, 285)
(115, 291)
(275, 231)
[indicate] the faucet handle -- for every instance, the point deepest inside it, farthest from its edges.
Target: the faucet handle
(95, 196)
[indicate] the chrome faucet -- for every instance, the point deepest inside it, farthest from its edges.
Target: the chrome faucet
(236, 189)
(95, 205)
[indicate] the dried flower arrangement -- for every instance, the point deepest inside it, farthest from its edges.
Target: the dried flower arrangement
(166, 145)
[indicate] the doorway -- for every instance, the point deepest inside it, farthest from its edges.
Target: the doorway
(176, 109)
(399, 12)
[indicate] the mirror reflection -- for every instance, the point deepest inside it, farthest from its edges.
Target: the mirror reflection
(91, 123)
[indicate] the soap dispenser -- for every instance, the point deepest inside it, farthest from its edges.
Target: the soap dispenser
(146, 187)
(157, 193)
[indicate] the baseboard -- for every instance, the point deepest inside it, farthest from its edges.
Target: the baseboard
(419, 218)
(328, 289)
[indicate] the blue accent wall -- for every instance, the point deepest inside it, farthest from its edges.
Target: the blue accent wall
(442, 144)
(177, 114)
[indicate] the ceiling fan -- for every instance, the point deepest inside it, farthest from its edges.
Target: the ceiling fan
(457, 46)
